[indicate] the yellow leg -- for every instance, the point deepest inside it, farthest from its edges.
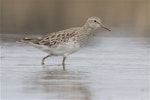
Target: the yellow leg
(43, 59)
(63, 62)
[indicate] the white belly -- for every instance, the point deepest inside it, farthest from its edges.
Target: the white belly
(60, 50)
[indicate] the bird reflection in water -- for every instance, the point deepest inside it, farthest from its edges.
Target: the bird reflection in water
(59, 84)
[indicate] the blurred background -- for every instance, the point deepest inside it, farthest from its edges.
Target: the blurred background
(123, 17)
(114, 65)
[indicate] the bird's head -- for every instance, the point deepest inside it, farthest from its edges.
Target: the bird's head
(95, 23)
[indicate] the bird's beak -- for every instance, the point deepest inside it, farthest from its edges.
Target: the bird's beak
(103, 26)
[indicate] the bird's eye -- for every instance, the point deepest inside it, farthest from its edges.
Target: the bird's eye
(95, 21)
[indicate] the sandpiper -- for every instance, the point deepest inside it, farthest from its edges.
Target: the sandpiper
(65, 42)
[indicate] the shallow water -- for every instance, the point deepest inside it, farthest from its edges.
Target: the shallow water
(108, 68)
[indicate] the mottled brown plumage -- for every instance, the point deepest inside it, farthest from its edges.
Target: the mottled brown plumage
(66, 42)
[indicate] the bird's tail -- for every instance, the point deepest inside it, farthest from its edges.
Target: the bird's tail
(29, 40)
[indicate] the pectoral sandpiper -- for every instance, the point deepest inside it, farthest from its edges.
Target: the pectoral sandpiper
(65, 42)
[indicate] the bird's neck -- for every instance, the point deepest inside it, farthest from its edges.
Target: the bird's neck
(88, 29)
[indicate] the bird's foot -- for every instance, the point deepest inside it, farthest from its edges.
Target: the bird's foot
(42, 63)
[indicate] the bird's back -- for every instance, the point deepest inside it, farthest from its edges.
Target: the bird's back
(55, 38)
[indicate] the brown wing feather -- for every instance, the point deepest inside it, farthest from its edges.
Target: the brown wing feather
(58, 37)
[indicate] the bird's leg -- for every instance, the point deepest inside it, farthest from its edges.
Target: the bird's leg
(63, 62)
(43, 59)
